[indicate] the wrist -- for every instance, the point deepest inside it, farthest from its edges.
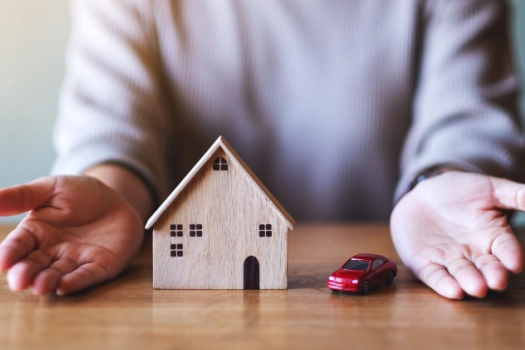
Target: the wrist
(128, 184)
(424, 175)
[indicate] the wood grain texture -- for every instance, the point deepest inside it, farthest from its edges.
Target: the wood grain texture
(127, 313)
(230, 207)
(220, 228)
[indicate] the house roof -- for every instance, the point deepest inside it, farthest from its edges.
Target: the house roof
(221, 143)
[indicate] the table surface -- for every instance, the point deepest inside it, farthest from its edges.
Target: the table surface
(128, 313)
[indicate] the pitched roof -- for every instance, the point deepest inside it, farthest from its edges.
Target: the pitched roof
(221, 142)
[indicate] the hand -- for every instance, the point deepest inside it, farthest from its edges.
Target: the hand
(78, 233)
(452, 232)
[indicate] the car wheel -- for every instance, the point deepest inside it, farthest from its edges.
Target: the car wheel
(390, 278)
(366, 287)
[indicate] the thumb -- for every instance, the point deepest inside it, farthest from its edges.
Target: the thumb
(22, 198)
(508, 194)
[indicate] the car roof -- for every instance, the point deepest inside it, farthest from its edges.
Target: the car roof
(365, 256)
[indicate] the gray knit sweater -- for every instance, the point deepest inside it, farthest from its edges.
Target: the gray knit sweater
(335, 105)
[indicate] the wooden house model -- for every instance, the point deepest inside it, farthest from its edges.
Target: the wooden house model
(220, 229)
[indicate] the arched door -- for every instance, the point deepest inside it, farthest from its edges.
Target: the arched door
(251, 273)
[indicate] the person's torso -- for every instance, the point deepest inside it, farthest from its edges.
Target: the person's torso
(315, 96)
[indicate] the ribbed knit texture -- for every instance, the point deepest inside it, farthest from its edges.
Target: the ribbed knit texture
(333, 104)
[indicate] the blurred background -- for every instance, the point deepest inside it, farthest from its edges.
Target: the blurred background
(33, 38)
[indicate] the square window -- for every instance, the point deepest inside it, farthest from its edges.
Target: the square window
(216, 167)
(176, 230)
(196, 230)
(224, 166)
(265, 230)
(176, 250)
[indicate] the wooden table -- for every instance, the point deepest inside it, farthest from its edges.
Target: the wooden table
(127, 313)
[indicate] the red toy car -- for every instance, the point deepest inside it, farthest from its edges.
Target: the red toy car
(362, 272)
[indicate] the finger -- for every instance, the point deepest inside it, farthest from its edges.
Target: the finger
(47, 280)
(468, 277)
(22, 274)
(508, 250)
(495, 274)
(437, 277)
(22, 198)
(85, 276)
(15, 247)
(508, 194)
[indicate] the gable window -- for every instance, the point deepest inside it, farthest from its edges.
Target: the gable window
(196, 230)
(175, 230)
(265, 230)
(176, 250)
(220, 164)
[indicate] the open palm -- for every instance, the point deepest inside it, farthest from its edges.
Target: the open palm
(452, 232)
(78, 233)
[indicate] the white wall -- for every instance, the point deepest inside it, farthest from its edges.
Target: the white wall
(33, 37)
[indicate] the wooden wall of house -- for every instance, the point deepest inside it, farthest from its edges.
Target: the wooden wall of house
(230, 207)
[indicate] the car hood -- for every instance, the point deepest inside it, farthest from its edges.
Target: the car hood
(349, 274)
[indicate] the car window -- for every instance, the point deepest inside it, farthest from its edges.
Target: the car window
(377, 262)
(358, 265)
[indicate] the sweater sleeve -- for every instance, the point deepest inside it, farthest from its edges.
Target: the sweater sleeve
(465, 110)
(111, 105)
